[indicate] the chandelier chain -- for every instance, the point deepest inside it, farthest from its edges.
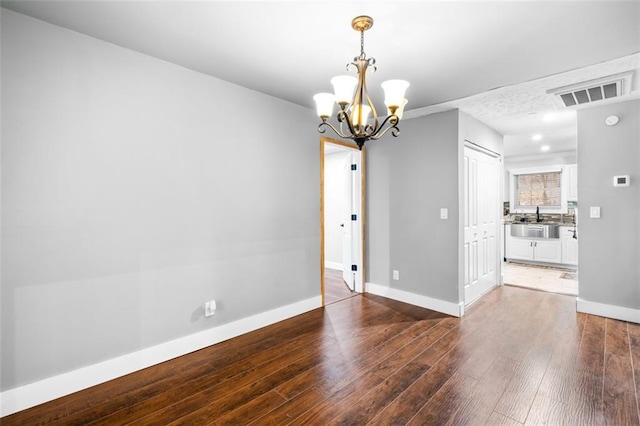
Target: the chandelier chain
(362, 54)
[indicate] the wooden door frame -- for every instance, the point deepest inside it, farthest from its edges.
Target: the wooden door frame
(324, 140)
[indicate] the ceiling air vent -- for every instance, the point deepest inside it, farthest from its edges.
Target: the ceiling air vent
(593, 90)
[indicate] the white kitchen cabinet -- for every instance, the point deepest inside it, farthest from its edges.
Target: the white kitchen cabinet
(572, 182)
(537, 250)
(547, 251)
(569, 246)
(519, 248)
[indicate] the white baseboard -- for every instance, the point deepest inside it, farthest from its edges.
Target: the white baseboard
(610, 311)
(449, 308)
(333, 265)
(30, 395)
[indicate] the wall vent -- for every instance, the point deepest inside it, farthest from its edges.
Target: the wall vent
(593, 90)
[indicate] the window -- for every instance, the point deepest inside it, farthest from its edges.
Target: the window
(538, 189)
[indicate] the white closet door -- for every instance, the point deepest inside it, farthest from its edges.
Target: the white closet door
(481, 219)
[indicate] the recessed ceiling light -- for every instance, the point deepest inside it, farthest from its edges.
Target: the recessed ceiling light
(550, 116)
(545, 148)
(536, 137)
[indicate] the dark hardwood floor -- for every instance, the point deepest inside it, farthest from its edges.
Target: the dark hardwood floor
(335, 289)
(518, 357)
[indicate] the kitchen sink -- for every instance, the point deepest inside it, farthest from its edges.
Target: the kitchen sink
(535, 230)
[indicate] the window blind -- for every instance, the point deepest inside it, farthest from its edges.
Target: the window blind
(538, 189)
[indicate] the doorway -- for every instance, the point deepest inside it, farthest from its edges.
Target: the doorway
(342, 220)
(481, 221)
(550, 264)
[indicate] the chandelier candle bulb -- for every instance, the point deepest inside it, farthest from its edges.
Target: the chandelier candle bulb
(343, 87)
(357, 116)
(324, 104)
(394, 91)
(360, 115)
(400, 109)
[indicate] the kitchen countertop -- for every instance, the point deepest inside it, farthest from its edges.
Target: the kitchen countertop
(511, 222)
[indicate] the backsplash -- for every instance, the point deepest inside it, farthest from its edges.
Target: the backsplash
(569, 218)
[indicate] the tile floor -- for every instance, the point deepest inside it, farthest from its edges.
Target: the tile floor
(554, 280)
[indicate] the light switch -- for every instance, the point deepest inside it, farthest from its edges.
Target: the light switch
(594, 212)
(396, 274)
(444, 213)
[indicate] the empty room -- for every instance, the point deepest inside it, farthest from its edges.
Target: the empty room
(454, 187)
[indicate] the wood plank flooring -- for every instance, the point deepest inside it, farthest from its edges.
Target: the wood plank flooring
(335, 289)
(519, 357)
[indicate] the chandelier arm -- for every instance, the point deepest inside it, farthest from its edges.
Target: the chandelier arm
(393, 126)
(321, 129)
(395, 131)
(343, 117)
(369, 130)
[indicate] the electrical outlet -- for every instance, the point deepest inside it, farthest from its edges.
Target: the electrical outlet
(396, 274)
(210, 308)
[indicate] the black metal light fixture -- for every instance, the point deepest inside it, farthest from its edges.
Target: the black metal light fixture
(355, 107)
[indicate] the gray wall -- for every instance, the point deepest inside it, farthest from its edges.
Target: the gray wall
(609, 246)
(134, 190)
(408, 180)
(479, 133)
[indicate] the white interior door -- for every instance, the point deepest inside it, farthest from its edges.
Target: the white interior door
(481, 219)
(347, 227)
(352, 250)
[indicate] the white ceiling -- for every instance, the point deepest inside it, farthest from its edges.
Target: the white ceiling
(478, 54)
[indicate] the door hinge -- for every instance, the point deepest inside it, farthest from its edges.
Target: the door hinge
(354, 268)
(354, 167)
(354, 217)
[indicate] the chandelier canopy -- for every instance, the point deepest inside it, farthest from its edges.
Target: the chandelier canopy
(357, 116)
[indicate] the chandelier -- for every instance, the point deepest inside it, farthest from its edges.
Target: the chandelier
(355, 106)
